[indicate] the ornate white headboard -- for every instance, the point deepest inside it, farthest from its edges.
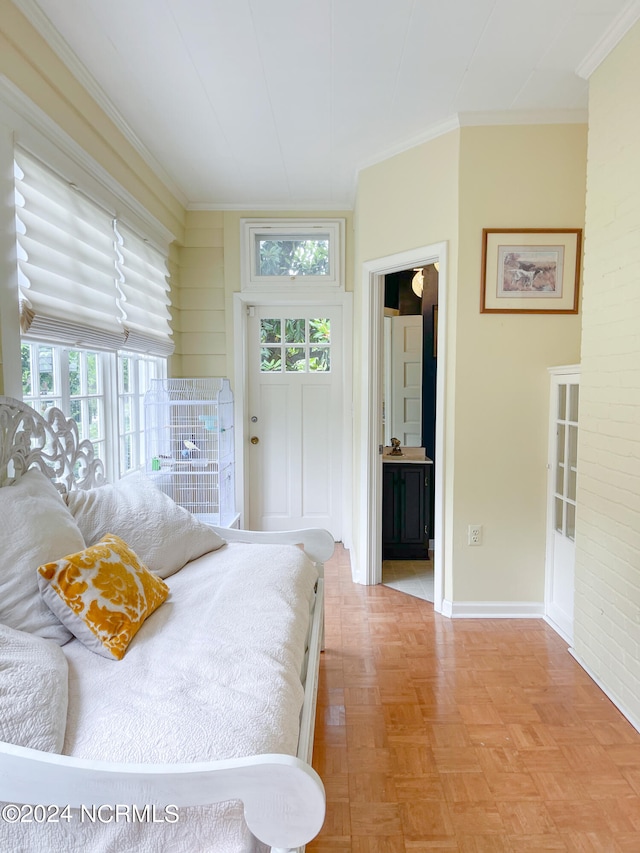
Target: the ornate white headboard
(50, 443)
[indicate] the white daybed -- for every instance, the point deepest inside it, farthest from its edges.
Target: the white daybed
(200, 737)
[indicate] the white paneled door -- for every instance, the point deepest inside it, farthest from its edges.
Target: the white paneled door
(406, 379)
(295, 417)
(561, 511)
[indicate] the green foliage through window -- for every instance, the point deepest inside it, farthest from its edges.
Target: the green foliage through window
(287, 257)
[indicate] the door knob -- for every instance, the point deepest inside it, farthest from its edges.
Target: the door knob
(255, 439)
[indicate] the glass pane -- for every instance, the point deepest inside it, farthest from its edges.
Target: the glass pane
(574, 393)
(75, 373)
(92, 373)
(270, 332)
(295, 360)
(270, 359)
(573, 446)
(319, 331)
(320, 359)
(559, 504)
(287, 256)
(571, 484)
(571, 521)
(294, 331)
(127, 423)
(76, 414)
(94, 419)
(562, 402)
(27, 379)
(560, 442)
(560, 480)
(45, 369)
(126, 375)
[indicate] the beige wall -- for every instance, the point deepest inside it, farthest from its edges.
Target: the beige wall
(607, 604)
(496, 420)
(530, 177)
(403, 203)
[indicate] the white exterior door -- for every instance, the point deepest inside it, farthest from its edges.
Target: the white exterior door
(295, 417)
(406, 379)
(561, 511)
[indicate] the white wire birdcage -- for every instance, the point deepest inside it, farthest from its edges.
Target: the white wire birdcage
(189, 440)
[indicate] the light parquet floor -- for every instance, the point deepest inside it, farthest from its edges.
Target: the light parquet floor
(477, 736)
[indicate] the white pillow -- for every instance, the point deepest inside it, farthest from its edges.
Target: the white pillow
(164, 536)
(35, 528)
(33, 691)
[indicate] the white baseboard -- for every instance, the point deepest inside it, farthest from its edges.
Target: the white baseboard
(493, 609)
(635, 722)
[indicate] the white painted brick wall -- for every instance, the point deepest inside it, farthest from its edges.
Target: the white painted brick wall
(607, 603)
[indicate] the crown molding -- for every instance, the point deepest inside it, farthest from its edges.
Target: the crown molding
(39, 134)
(36, 17)
(439, 128)
(505, 117)
(611, 38)
(261, 206)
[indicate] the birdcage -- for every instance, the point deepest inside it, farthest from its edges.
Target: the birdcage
(189, 445)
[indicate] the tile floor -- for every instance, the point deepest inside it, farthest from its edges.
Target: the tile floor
(415, 577)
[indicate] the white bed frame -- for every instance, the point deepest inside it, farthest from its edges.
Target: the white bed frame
(284, 801)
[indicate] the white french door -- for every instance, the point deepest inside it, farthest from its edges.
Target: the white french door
(295, 417)
(561, 510)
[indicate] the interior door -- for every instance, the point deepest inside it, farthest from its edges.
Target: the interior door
(406, 379)
(295, 417)
(561, 532)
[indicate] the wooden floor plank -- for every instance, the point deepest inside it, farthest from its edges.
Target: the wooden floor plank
(473, 736)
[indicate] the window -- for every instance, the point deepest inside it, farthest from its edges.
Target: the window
(80, 383)
(295, 345)
(94, 306)
(281, 253)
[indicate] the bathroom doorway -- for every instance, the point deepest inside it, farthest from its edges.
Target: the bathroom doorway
(409, 407)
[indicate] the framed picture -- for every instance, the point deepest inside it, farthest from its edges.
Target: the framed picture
(530, 270)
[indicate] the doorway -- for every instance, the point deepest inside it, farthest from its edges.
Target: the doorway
(287, 487)
(367, 538)
(409, 405)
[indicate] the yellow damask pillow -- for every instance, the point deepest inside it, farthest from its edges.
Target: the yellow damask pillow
(102, 594)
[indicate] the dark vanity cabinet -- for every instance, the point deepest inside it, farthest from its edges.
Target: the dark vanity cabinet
(405, 511)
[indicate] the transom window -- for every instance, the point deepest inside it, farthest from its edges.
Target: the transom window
(279, 253)
(295, 345)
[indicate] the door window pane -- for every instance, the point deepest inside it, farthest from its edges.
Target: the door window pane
(294, 331)
(270, 331)
(560, 442)
(574, 393)
(319, 360)
(571, 521)
(295, 360)
(560, 480)
(559, 524)
(562, 402)
(270, 359)
(319, 331)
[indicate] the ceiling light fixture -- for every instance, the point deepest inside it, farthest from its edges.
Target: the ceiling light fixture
(417, 281)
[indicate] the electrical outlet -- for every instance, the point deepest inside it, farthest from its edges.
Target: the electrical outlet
(474, 533)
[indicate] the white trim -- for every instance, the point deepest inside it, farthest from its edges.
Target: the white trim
(252, 228)
(496, 609)
(610, 39)
(38, 134)
(635, 722)
(241, 305)
(367, 556)
(552, 623)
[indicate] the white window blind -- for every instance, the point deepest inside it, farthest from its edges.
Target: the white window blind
(145, 292)
(66, 261)
(85, 279)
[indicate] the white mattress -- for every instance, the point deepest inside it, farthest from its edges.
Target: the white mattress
(213, 673)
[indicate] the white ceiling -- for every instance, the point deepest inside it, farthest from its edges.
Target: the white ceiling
(278, 103)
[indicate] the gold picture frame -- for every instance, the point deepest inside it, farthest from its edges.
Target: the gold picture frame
(530, 270)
